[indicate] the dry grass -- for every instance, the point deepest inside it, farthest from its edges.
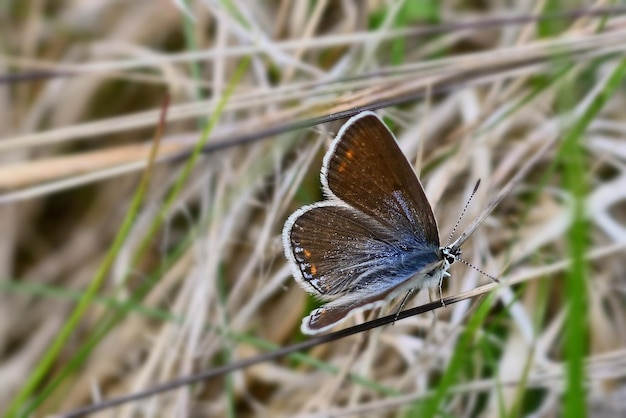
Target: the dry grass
(218, 287)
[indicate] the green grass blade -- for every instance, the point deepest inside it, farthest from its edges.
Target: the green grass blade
(571, 155)
(45, 364)
(432, 405)
(109, 322)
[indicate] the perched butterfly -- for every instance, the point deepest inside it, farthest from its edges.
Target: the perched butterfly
(374, 237)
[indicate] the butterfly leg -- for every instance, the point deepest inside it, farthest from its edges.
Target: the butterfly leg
(404, 300)
(445, 274)
(441, 291)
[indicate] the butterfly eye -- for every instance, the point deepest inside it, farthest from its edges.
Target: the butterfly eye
(450, 256)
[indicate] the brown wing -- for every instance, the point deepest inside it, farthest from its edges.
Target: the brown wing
(365, 168)
(335, 250)
(331, 314)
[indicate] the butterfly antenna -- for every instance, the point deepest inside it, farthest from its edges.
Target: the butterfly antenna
(463, 213)
(467, 263)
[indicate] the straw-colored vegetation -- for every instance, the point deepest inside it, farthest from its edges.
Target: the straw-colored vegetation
(111, 285)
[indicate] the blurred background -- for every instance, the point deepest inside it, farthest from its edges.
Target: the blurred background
(117, 274)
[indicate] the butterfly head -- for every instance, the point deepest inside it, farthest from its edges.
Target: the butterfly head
(450, 255)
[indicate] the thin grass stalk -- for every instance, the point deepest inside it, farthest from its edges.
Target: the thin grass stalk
(104, 327)
(46, 363)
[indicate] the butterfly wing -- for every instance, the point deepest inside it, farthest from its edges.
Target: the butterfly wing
(342, 255)
(333, 313)
(334, 250)
(365, 168)
(376, 230)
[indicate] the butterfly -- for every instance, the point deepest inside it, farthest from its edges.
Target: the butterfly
(374, 237)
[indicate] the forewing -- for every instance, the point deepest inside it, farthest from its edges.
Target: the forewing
(335, 250)
(365, 168)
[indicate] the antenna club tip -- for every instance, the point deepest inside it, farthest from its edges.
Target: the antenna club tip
(476, 186)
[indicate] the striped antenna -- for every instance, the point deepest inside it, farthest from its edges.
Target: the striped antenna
(462, 213)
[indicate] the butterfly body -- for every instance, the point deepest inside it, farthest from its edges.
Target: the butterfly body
(374, 237)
